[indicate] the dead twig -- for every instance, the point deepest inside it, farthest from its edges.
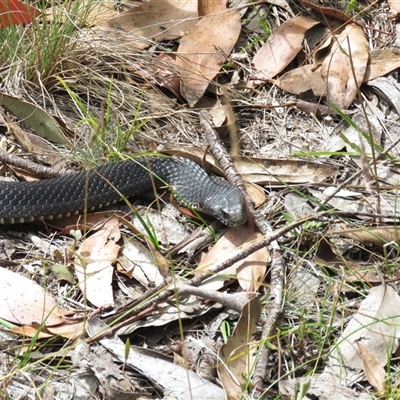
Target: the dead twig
(277, 267)
(38, 170)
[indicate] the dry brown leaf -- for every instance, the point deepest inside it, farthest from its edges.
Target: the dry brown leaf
(93, 265)
(301, 80)
(67, 330)
(203, 50)
(252, 269)
(23, 301)
(273, 171)
(264, 171)
(236, 355)
(141, 263)
(322, 50)
(206, 7)
(373, 369)
(157, 20)
(256, 193)
(218, 111)
(382, 62)
(373, 234)
(349, 53)
(281, 48)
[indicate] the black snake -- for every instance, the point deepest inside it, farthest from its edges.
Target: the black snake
(48, 199)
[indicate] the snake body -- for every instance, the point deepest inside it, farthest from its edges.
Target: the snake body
(48, 199)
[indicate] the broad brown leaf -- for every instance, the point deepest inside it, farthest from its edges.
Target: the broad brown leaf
(281, 48)
(301, 80)
(156, 20)
(203, 51)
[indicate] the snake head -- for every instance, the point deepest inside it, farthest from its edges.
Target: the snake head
(229, 208)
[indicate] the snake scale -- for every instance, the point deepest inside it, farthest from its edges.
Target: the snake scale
(47, 199)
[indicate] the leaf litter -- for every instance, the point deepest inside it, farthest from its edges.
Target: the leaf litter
(288, 153)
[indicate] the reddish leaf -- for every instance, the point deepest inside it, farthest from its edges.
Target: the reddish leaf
(13, 12)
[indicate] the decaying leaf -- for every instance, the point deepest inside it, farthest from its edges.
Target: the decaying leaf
(281, 47)
(236, 355)
(204, 49)
(344, 68)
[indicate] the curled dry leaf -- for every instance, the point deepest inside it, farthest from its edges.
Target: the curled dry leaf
(203, 50)
(251, 271)
(305, 78)
(140, 263)
(330, 12)
(344, 68)
(394, 6)
(281, 48)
